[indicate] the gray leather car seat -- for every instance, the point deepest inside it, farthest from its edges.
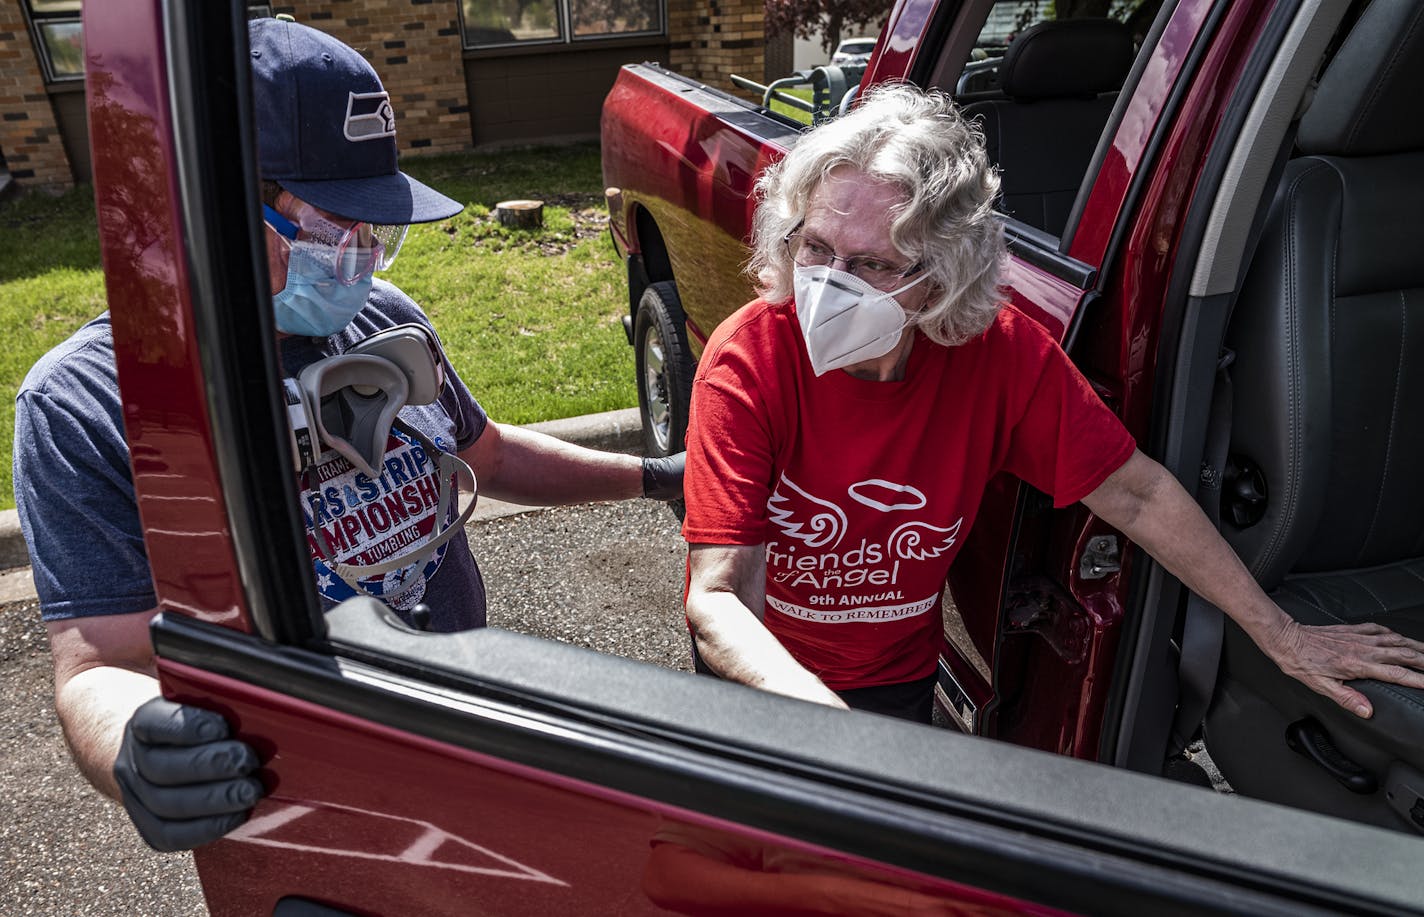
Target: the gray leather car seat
(1061, 78)
(1327, 430)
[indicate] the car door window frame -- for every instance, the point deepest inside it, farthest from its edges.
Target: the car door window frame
(946, 804)
(253, 448)
(1219, 231)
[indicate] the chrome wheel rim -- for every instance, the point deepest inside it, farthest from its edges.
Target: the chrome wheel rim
(655, 389)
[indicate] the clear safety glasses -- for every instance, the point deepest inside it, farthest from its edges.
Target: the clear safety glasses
(351, 252)
(808, 251)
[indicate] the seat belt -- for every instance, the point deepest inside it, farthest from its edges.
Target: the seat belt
(1203, 624)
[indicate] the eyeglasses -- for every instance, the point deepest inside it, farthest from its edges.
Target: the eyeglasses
(809, 252)
(352, 253)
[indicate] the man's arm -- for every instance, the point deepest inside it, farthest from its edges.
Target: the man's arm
(103, 672)
(1144, 501)
(182, 781)
(727, 583)
(522, 466)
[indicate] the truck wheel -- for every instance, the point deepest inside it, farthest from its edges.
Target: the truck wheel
(664, 366)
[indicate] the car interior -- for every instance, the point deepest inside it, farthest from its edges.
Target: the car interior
(1044, 98)
(1318, 498)
(1058, 82)
(1322, 496)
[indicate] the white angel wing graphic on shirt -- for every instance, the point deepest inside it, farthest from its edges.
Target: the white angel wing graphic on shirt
(810, 519)
(905, 541)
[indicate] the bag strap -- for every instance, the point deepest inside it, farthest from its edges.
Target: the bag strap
(455, 476)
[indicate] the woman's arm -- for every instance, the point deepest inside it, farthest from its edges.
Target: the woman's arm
(1143, 501)
(726, 598)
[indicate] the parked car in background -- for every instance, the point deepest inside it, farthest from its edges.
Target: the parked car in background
(853, 52)
(1229, 255)
(490, 772)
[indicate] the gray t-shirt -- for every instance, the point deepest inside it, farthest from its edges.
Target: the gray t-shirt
(76, 499)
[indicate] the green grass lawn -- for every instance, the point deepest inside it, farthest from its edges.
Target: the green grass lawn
(805, 94)
(530, 319)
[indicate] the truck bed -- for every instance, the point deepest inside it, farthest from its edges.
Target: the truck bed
(680, 160)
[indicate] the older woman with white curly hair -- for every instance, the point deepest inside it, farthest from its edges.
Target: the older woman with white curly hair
(845, 424)
(942, 217)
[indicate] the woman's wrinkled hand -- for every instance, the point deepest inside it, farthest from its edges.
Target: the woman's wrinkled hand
(1324, 658)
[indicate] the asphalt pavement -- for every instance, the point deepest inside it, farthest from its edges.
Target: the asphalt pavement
(604, 576)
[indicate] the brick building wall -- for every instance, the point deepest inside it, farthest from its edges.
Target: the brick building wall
(29, 135)
(710, 39)
(415, 47)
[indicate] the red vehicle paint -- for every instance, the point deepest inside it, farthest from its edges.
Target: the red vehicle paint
(494, 773)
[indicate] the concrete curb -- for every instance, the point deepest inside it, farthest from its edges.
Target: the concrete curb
(611, 431)
(12, 541)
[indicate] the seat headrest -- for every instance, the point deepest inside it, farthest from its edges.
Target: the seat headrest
(1368, 102)
(1066, 57)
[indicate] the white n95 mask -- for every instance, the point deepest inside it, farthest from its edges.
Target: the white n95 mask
(844, 319)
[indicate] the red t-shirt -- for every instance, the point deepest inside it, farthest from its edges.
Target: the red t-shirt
(863, 491)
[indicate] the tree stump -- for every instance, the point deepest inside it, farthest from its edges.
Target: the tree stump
(520, 214)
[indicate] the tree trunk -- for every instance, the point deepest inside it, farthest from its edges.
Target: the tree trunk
(834, 23)
(520, 214)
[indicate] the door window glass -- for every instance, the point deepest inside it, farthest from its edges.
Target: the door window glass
(1043, 113)
(55, 28)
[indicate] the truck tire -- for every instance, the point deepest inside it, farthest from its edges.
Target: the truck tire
(664, 367)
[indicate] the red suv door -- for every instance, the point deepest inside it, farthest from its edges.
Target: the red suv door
(412, 773)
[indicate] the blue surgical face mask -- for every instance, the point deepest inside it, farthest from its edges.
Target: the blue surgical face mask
(314, 303)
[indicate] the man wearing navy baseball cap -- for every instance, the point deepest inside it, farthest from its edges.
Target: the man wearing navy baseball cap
(336, 208)
(327, 129)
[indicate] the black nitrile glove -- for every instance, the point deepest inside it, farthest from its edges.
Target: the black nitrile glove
(662, 477)
(184, 782)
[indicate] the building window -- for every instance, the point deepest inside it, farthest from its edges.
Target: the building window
(498, 23)
(59, 39)
(58, 42)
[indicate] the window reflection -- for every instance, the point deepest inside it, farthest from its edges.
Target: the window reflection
(612, 17)
(64, 47)
(492, 23)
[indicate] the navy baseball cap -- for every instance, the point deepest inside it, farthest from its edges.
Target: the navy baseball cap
(326, 130)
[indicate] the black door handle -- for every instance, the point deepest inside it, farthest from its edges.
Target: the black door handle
(301, 907)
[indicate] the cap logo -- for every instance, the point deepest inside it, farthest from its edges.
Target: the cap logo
(369, 116)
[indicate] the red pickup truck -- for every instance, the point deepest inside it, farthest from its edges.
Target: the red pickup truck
(1191, 185)
(492, 772)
